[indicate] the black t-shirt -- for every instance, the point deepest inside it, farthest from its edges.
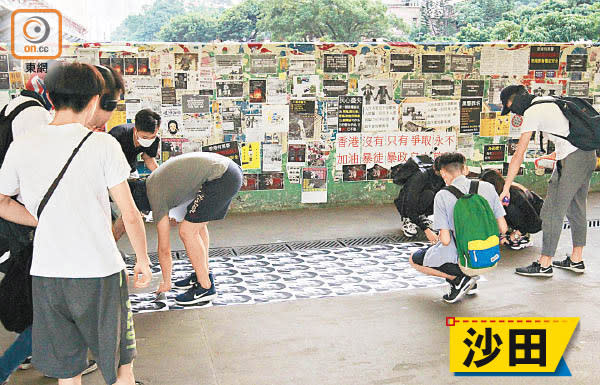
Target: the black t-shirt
(124, 135)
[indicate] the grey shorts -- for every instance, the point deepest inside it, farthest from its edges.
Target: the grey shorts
(71, 315)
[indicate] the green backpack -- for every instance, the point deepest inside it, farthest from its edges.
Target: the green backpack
(476, 232)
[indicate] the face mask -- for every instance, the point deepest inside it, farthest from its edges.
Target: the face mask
(145, 142)
(521, 102)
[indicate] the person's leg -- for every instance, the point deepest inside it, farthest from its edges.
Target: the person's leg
(577, 216)
(425, 205)
(15, 354)
(125, 375)
(196, 249)
(70, 381)
(428, 270)
(206, 240)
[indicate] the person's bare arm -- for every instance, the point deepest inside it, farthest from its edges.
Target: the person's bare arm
(502, 225)
(150, 162)
(515, 163)
(134, 225)
(445, 237)
(163, 227)
(16, 213)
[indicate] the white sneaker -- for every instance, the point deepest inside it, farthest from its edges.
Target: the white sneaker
(409, 228)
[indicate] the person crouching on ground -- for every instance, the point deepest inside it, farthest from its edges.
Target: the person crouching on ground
(441, 259)
(522, 211)
(194, 189)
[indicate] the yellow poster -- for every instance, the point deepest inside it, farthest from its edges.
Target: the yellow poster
(118, 116)
(488, 123)
(251, 156)
(502, 125)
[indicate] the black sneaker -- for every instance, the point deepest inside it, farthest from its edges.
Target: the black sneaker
(26, 364)
(188, 282)
(92, 367)
(458, 290)
(535, 270)
(567, 264)
(196, 294)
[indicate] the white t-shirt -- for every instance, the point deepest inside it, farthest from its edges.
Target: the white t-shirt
(548, 118)
(31, 117)
(74, 237)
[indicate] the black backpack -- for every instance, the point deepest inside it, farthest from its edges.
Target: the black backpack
(584, 122)
(403, 171)
(6, 133)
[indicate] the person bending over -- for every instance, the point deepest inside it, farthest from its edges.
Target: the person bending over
(522, 211)
(194, 189)
(441, 259)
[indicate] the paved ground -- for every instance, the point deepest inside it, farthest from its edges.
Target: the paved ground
(396, 338)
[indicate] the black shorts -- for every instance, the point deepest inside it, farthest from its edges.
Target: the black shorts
(213, 200)
(447, 268)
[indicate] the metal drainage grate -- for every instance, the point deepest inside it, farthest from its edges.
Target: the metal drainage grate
(420, 237)
(365, 241)
(323, 244)
(222, 252)
(261, 249)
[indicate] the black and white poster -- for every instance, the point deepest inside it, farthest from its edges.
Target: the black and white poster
(263, 64)
(461, 63)
(181, 80)
(231, 89)
(336, 63)
(577, 63)
(433, 64)
(470, 115)
(376, 91)
(442, 87)
(4, 81)
(400, 62)
(579, 89)
(231, 117)
(543, 57)
(332, 88)
(350, 114)
(472, 88)
(3, 63)
(413, 88)
(195, 104)
(228, 65)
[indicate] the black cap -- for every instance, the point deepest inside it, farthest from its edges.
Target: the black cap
(506, 93)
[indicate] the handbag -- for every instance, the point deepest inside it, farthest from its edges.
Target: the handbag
(16, 303)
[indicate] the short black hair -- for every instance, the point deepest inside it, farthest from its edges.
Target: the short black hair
(73, 85)
(147, 120)
(451, 161)
(139, 194)
(436, 164)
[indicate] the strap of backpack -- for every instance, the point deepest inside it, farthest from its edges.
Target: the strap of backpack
(456, 192)
(474, 187)
(18, 109)
(60, 176)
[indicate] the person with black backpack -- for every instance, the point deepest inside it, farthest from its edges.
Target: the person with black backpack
(469, 217)
(574, 127)
(420, 182)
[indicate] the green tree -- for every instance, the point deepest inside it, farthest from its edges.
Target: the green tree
(146, 25)
(194, 26)
(481, 14)
(470, 33)
(240, 22)
(331, 20)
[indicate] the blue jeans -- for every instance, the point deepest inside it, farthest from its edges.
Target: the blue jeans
(15, 354)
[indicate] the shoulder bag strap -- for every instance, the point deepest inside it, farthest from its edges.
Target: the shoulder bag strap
(60, 176)
(456, 192)
(474, 187)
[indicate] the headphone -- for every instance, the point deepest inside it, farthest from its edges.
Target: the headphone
(107, 103)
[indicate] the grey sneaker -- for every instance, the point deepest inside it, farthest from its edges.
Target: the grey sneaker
(535, 270)
(567, 264)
